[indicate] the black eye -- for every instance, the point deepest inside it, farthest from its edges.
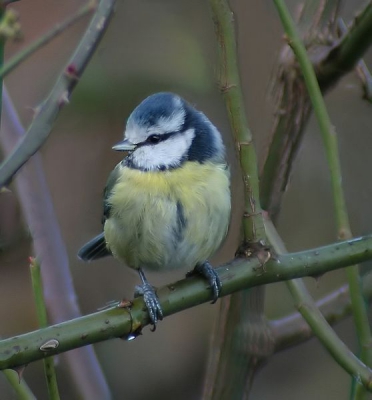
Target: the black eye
(153, 139)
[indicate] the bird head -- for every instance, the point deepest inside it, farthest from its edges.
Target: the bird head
(164, 131)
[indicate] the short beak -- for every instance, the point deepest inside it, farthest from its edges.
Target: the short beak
(124, 145)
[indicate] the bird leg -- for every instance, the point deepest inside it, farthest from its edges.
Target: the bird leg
(206, 270)
(150, 298)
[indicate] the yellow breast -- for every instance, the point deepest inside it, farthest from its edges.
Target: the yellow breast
(168, 219)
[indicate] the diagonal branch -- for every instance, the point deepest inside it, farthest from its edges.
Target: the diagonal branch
(292, 329)
(37, 207)
(309, 311)
(332, 58)
(342, 57)
(329, 137)
(361, 68)
(41, 127)
(46, 38)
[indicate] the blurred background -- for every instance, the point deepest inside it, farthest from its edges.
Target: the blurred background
(169, 45)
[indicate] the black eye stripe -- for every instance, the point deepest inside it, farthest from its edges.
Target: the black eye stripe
(159, 138)
(153, 139)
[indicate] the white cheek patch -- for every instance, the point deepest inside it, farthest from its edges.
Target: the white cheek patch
(164, 154)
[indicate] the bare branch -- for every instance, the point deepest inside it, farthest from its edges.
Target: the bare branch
(41, 127)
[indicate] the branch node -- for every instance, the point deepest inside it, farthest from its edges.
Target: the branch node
(72, 72)
(225, 87)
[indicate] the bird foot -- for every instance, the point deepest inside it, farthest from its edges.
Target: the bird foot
(209, 273)
(151, 301)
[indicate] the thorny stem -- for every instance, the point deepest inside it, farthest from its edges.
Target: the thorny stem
(323, 331)
(127, 320)
(331, 147)
(42, 124)
(229, 80)
(291, 329)
(19, 385)
(46, 38)
(231, 362)
(361, 68)
(347, 51)
(17, 382)
(41, 219)
(37, 286)
(331, 62)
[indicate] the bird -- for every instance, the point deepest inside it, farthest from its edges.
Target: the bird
(167, 204)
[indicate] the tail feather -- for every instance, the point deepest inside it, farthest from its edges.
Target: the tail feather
(94, 249)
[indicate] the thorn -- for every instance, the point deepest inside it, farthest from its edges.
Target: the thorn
(109, 304)
(317, 279)
(125, 303)
(35, 110)
(19, 370)
(64, 99)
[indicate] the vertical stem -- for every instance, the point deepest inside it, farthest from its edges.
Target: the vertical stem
(19, 385)
(37, 206)
(229, 80)
(331, 147)
(2, 45)
(326, 335)
(241, 338)
(41, 312)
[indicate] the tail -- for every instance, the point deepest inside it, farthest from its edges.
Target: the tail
(94, 249)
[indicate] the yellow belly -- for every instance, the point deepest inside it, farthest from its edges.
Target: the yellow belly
(168, 219)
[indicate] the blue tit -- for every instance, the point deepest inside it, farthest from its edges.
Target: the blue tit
(167, 203)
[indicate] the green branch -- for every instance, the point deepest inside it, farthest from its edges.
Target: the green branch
(41, 127)
(46, 38)
(37, 286)
(19, 385)
(317, 21)
(236, 275)
(2, 45)
(230, 86)
(293, 107)
(14, 377)
(323, 331)
(232, 364)
(361, 68)
(330, 143)
(366, 78)
(49, 247)
(345, 54)
(292, 329)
